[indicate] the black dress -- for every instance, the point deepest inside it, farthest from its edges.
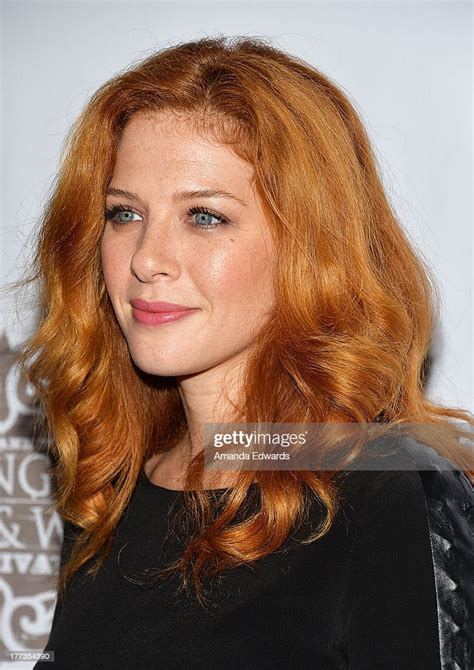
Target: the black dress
(390, 586)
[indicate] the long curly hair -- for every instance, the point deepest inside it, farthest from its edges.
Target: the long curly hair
(355, 313)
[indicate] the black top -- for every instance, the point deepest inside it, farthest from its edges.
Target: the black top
(380, 590)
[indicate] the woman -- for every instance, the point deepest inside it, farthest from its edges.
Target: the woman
(239, 185)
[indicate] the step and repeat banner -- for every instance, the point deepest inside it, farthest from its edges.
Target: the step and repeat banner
(30, 527)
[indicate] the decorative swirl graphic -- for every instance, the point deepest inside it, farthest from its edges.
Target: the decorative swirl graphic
(27, 627)
(14, 391)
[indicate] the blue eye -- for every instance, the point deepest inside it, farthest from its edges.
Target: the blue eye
(204, 219)
(112, 212)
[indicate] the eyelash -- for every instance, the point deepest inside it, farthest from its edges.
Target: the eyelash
(111, 212)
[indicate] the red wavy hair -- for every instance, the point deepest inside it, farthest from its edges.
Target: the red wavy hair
(349, 342)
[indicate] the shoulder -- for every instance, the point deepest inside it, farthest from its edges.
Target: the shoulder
(412, 472)
(413, 553)
(449, 498)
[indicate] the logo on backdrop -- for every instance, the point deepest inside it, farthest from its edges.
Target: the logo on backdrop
(30, 528)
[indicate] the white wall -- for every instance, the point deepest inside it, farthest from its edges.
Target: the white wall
(406, 66)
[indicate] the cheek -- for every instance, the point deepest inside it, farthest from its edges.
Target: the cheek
(237, 275)
(114, 263)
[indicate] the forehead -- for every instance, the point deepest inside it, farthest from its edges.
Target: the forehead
(173, 129)
(171, 143)
(157, 125)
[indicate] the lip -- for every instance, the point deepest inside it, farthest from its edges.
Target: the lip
(155, 313)
(167, 307)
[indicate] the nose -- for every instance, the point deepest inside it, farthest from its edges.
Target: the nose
(156, 255)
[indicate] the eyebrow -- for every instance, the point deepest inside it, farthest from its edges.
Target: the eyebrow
(181, 195)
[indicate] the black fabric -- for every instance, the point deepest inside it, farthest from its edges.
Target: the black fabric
(363, 597)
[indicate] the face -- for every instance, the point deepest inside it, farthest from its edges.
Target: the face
(211, 253)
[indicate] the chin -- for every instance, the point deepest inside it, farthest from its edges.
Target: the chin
(163, 365)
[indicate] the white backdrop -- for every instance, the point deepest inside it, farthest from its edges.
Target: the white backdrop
(407, 68)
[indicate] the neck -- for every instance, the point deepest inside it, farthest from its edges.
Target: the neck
(209, 397)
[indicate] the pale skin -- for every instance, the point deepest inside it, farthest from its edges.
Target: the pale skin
(154, 252)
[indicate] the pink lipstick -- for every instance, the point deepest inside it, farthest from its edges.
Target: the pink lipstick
(155, 313)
